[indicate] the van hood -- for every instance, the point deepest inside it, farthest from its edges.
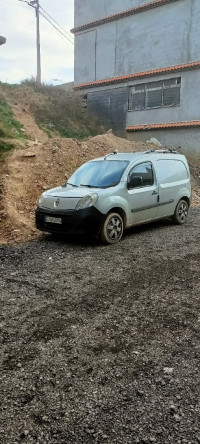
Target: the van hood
(65, 198)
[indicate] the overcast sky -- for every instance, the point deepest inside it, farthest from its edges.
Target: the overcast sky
(18, 55)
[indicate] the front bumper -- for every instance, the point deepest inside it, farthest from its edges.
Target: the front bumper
(87, 220)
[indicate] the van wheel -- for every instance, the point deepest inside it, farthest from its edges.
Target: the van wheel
(181, 212)
(112, 229)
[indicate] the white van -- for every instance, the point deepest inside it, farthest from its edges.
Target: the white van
(109, 194)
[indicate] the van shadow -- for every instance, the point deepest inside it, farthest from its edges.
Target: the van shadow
(86, 240)
(149, 227)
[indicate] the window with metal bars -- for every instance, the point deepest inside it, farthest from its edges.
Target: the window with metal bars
(156, 94)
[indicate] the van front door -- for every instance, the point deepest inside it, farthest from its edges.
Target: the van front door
(142, 193)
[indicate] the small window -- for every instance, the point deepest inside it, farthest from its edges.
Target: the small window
(137, 100)
(154, 98)
(156, 94)
(141, 175)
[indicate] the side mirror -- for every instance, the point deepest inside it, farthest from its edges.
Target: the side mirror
(135, 182)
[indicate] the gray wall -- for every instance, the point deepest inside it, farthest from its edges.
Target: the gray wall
(165, 36)
(90, 10)
(111, 102)
(189, 108)
(188, 139)
(110, 105)
(156, 38)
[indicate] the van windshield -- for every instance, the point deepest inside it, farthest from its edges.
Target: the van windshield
(99, 174)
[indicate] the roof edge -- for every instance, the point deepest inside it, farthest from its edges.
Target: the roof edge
(140, 75)
(157, 126)
(119, 15)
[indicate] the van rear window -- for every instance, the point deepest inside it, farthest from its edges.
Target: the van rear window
(170, 170)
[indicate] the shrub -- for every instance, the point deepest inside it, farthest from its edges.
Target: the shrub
(62, 111)
(9, 126)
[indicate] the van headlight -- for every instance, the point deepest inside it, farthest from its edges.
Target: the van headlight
(87, 201)
(40, 201)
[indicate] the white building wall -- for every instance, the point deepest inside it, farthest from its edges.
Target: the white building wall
(165, 36)
(156, 38)
(189, 108)
(87, 11)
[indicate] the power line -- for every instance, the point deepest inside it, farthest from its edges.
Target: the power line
(67, 36)
(35, 4)
(28, 3)
(56, 28)
(67, 33)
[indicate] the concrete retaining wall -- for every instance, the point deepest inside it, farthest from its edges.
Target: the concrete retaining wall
(187, 139)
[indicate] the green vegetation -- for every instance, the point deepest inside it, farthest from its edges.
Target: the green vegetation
(62, 112)
(56, 110)
(9, 127)
(4, 147)
(2, 133)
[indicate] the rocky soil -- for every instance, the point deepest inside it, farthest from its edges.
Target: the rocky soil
(39, 163)
(100, 344)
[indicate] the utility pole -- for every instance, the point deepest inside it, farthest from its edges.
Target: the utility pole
(35, 3)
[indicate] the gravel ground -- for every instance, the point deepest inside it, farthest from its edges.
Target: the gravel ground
(100, 344)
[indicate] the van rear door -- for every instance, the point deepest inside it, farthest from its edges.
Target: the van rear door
(172, 176)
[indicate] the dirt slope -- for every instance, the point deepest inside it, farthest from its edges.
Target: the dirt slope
(39, 163)
(27, 173)
(20, 100)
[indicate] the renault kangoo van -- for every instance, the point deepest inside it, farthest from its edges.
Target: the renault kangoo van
(120, 190)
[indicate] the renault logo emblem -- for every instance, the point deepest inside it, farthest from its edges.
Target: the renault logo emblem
(56, 203)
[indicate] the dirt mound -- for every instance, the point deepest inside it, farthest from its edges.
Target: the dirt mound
(27, 173)
(39, 163)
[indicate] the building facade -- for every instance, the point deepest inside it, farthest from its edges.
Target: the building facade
(138, 64)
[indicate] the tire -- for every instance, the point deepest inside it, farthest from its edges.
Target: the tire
(112, 229)
(181, 212)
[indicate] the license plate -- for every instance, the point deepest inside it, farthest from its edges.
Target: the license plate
(53, 220)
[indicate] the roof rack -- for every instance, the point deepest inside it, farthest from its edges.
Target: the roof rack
(111, 154)
(169, 150)
(149, 151)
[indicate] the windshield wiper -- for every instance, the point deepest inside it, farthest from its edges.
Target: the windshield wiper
(113, 184)
(68, 183)
(88, 186)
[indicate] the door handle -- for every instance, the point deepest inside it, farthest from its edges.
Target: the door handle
(155, 192)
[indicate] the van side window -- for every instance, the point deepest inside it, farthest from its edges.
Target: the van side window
(141, 176)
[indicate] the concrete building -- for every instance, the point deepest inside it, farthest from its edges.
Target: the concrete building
(138, 64)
